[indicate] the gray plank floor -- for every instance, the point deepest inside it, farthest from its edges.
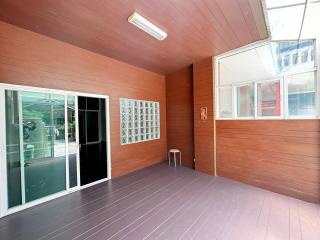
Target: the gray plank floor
(161, 202)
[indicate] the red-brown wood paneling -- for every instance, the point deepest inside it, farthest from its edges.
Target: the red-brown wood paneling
(203, 96)
(27, 58)
(179, 93)
(279, 155)
(196, 28)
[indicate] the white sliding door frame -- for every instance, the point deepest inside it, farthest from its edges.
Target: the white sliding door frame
(3, 159)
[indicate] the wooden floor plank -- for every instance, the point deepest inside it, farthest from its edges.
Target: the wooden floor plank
(111, 215)
(88, 193)
(51, 220)
(161, 202)
(294, 218)
(309, 220)
(124, 225)
(216, 223)
(176, 225)
(164, 212)
(279, 219)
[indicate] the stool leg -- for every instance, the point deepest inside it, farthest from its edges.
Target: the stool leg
(169, 157)
(175, 160)
(180, 158)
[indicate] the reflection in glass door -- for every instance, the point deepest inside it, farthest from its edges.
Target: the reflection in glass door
(36, 148)
(45, 130)
(37, 126)
(43, 141)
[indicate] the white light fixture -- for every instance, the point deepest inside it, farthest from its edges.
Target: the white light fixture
(147, 26)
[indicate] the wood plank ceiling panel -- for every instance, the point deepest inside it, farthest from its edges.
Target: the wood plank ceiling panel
(196, 28)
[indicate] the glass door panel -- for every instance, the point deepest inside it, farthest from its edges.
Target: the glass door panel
(14, 193)
(92, 137)
(36, 147)
(44, 147)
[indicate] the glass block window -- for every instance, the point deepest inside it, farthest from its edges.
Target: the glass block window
(139, 120)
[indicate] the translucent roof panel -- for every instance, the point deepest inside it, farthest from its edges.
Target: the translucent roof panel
(252, 65)
(281, 3)
(266, 62)
(311, 22)
(285, 23)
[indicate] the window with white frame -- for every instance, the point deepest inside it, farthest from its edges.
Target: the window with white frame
(225, 102)
(139, 120)
(245, 101)
(295, 58)
(302, 94)
(270, 80)
(269, 99)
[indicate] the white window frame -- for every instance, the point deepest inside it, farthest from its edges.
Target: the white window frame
(218, 102)
(317, 91)
(235, 107)
(283, 84)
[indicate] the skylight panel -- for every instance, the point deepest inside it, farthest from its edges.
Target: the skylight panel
(310, 28)
(285, 23)
(282, 3)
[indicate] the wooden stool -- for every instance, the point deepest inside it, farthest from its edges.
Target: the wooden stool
(174, 151)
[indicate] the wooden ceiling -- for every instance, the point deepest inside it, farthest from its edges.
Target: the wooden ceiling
(196, 28)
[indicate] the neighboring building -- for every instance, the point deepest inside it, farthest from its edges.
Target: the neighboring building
(294, 54)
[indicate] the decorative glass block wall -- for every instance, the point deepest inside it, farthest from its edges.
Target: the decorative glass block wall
(139, 120)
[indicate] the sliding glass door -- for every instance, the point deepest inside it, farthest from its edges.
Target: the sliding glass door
(44, 155)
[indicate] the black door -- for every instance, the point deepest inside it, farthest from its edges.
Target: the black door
(92, 137)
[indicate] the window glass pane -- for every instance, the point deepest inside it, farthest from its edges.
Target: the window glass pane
(82, 103)
(301, 94)
(295, 58)
(13, 148)
(93, 103)
(245, 101)
(225, 102)
(293, 55)
(43, 119)
(269, 101)
(92, 126)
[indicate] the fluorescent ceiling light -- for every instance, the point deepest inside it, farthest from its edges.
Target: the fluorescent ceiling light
(147, 26)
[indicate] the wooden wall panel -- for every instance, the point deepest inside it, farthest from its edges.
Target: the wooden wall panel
(203, 96)
(27, 58)
(179, 101)
(279, 155)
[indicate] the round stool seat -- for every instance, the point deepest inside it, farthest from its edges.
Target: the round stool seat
(174, 150)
